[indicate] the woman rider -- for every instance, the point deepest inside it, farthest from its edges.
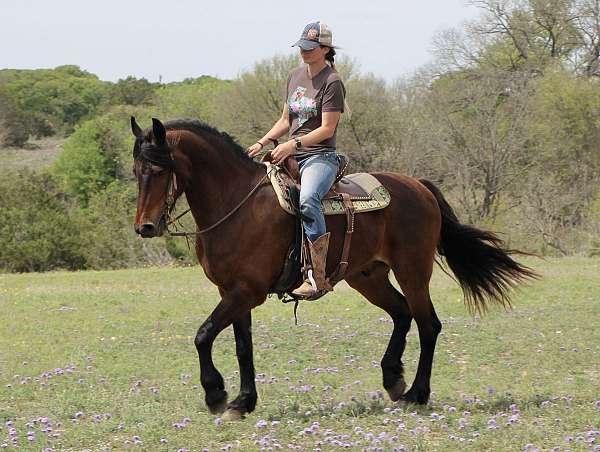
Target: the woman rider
(314, 102)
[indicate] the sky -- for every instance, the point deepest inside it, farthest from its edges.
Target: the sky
(176, 39)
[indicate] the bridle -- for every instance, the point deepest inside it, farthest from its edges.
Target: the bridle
(170, 201)
(170, 205)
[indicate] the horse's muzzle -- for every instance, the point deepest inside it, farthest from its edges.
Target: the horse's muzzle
(149, 230)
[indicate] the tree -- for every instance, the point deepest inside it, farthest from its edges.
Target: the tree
(82, 166)
(192, 98)
(479, 121)
(53, 100)
(131, 91)
(37, 232)
(588, 22)
(564, 182)
(13, 124)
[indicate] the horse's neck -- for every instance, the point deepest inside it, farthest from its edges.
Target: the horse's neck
(219, 180)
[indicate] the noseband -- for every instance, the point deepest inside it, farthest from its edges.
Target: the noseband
(149, 155)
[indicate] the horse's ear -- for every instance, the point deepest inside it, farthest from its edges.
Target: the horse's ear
(135, 128)
(160, 134)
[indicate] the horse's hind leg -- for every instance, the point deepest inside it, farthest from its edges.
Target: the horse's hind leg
(429, 327)
(374, 284)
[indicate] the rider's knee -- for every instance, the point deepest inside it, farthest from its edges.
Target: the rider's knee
(309, 201)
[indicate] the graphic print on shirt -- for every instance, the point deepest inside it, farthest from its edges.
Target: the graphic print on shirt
(302, 106)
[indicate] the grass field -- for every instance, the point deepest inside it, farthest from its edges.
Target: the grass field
(106, 361)
(36, 154)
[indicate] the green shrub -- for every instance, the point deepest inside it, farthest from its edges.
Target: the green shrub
(107, 221)
(82, 166)
(37, 232)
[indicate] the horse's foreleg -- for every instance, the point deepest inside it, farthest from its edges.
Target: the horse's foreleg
(234, 308)
(245, 402)
(210, 378)
(374, 284)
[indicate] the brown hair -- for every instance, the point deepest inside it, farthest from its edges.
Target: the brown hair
(329, 57)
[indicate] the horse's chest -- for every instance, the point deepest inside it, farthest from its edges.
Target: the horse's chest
(217, 264)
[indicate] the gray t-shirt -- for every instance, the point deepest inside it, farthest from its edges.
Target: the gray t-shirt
(306, 100)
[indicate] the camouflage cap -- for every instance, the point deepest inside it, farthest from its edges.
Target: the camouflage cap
(314, 35)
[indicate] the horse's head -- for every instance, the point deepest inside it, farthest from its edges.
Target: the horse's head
(154, 168)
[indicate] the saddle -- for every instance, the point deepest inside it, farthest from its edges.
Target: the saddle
(349, 195)
(364, 191)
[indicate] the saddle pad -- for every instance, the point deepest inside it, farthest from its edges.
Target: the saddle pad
(374, 197)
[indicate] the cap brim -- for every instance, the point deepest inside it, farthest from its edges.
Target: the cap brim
(305, 44)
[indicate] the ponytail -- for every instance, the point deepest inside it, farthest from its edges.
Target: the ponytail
(330, 57)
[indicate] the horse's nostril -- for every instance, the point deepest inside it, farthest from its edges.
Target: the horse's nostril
(147, 230)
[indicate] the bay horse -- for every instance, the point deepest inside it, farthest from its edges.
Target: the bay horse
(244, 235)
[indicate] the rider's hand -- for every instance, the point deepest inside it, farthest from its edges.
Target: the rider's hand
(254, 150)
(283, 151)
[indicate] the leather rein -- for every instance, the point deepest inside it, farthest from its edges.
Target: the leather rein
(170, 206)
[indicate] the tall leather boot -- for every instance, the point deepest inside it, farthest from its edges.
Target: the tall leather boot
(318, 255)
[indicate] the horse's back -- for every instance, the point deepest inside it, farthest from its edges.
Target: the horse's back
(409, 227)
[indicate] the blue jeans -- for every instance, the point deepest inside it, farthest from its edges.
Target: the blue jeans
(317, 174)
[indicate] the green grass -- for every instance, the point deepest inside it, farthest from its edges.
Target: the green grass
(117, 335)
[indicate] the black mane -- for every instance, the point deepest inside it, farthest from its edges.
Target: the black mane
(200, 128)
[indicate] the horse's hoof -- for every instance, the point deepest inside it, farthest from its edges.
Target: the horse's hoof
(397, 391)
(413, 397)
(218, 407)
(232, 414)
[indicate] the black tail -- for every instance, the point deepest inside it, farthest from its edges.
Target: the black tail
(478, 258)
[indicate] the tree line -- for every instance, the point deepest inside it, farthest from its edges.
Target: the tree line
(506, 119)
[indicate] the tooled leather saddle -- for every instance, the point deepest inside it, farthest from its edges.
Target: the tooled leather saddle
(349, 194)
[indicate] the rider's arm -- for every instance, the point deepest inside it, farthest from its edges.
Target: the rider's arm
(280, 128)
(329, 120)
